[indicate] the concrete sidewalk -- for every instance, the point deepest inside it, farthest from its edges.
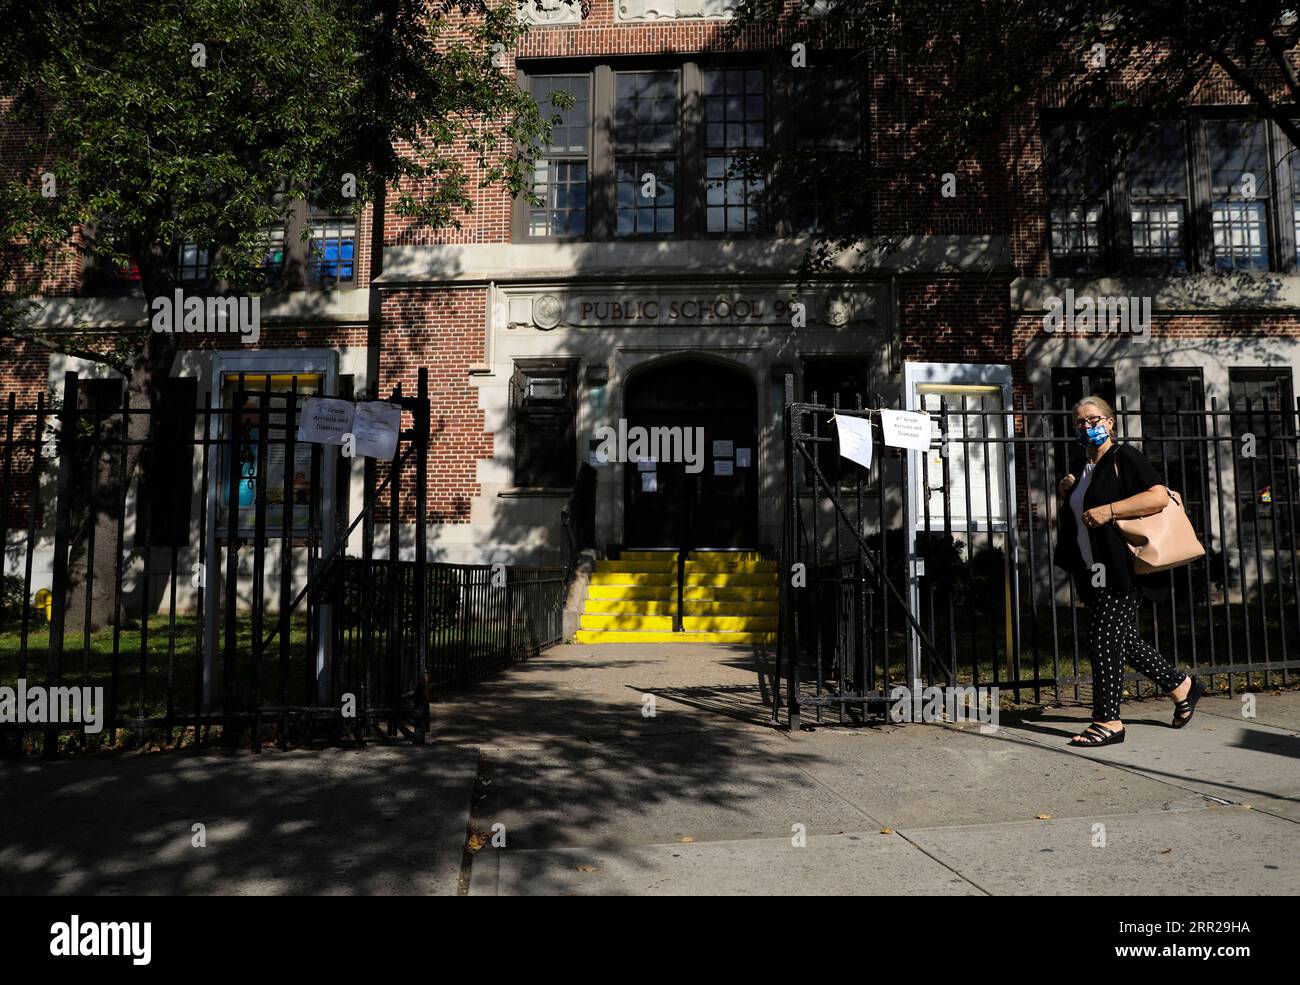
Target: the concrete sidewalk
(706, 798)
(373, 821)
(594, 794)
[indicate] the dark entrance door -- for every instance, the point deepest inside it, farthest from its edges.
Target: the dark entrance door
(718, 505)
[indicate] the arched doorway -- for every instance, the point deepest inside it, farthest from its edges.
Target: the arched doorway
(716, 506)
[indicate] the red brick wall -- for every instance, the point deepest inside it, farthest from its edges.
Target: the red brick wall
(442, 330)
(955, 319)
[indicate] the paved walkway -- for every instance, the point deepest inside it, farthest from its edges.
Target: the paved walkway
(705, 797)
(593, 795)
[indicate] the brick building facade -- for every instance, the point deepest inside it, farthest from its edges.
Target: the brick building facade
(536, 323)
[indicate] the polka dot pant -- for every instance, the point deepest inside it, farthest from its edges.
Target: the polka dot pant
(1115, 639)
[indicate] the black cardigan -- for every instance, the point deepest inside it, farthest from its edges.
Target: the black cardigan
(1135, 475)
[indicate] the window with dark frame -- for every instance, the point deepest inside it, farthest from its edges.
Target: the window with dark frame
(561, 171)
(544, 404)
(1240, 190)
(1078, 197)
(333, 249)
(826, 112)
(645, 152)
(1157, 190)
(1263, 406)
(735, 128)
(272, 266)
(193, 263)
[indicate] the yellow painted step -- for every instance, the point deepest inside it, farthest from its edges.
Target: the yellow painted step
(629, 592)
(725, 555)
(729, 624)
(649, 556)
(739, 567)
(635, 623)
(633, 607)
(725, 578)
(633, 578)
(637, 564)
(745, 639)
(739, 593)
(749, 607)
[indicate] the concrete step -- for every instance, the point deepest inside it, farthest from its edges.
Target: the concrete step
(739, 593)
(729, 579)
(634, 578)
(744, 639)
(632, 623)
(729, 624)
(748, 607)
(628, 593)
(632, 607)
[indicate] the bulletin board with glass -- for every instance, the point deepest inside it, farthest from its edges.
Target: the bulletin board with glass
(263, 466)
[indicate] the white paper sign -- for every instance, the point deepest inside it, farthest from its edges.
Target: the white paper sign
(855, 439)
(905, 429)
(722, 466)
(742, 458)
(325, 420)
(649, 481)
(723, 448)
(375, 427)
(646, 465)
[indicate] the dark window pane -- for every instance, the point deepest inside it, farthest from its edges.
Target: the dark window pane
(645, 111)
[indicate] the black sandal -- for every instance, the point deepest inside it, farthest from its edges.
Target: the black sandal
(1183, 710)
(1098, 735)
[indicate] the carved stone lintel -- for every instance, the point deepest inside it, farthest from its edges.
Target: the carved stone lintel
(554, 11)
(656, 10)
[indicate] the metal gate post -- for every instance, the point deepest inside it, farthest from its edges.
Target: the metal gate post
(421, 558)
(59, 572)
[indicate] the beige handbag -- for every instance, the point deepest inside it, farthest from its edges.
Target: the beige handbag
(1163, 540)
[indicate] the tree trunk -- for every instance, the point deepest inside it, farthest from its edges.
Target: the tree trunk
(114, 469)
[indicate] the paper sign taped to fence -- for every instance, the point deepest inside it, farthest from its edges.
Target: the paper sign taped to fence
(649, 481)
(723, 466)
(905, 429)
(325, 420)
(647, 465)
(375, 429)
(742, 458)
(855, 439)
(722, 449)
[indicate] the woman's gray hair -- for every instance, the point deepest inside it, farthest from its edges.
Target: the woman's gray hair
(1106, 409)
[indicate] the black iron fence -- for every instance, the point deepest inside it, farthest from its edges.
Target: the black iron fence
(191, 559)
(936, 568)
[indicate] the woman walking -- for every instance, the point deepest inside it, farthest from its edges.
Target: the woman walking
(1117, 482)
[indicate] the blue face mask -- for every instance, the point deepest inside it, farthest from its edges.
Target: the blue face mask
(1094, 436)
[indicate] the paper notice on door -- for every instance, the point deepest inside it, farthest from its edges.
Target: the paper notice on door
(742, 458)
(324, 420)
(722, 449)
(375, 428)
(723, 466)
(649, 481)
(646, 465)
(905, 429)
(855, 439)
